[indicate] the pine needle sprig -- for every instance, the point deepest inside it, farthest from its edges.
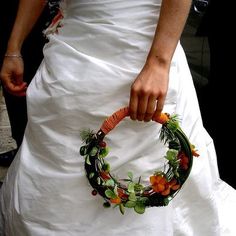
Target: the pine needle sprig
(86, 135)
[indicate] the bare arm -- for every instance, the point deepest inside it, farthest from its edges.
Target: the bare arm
(12, 68)
(149, 89)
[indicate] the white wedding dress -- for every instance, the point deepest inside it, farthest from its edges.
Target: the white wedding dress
(86, 75)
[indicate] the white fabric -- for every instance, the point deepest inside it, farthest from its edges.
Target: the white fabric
(86, 75)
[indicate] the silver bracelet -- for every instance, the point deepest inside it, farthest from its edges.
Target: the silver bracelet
(13, 55)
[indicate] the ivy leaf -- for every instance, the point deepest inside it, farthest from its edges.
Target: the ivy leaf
(130, 204)
(110, 194)
(139, 208)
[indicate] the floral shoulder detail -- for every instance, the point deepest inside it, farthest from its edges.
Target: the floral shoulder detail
(57, 21)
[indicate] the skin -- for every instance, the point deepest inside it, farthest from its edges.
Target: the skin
(13, 67)
(149, 89)
(148, 92)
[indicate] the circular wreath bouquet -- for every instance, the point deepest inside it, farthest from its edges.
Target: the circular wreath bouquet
(126, 192)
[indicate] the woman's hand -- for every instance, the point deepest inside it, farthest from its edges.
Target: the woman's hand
(12, 76)
(148, 92)
(149, 89)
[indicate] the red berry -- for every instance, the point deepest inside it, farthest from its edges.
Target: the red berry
(94, 192)
(102, 144)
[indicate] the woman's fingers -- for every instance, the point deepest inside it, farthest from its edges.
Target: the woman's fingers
(13, 85)
(133, 104)
(16, 90)
(150, 108)
(159, 107)
(142, 106)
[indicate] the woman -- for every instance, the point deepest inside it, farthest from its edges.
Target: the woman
(91, 68)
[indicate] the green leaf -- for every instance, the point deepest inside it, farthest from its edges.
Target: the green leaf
(87, 160)
(174, 144)
(83, 150)
(94, 151)
(132, 197)
(171, 154)
(143, 200)
(138, 187)
(131, 187)
(110, 182)
(166, 201)
(115, 190)
(122, 209)
(86, 135)
(91, 175)
(104, 152)
(110, 194)
(98, 180)
(139, 208)
(130, 175)
(130, 204)
(106, 167)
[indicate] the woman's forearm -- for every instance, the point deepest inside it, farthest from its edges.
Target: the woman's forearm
(171, 22)
(27, 15)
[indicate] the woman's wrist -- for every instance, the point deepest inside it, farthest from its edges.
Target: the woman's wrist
(155, 60)
(14, 46)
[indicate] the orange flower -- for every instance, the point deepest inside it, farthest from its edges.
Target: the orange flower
(160, 184)
(116, 200)
(194, 151)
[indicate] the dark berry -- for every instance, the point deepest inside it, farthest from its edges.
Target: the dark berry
(102, 144)
(94, 192)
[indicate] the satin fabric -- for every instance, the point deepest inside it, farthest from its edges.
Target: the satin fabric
(89, 65)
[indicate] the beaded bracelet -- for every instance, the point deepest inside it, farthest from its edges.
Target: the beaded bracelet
(13, 55)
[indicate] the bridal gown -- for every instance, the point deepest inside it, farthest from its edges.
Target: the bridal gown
(93, 55)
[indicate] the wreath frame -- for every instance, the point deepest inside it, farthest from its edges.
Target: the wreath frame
(127, 192)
